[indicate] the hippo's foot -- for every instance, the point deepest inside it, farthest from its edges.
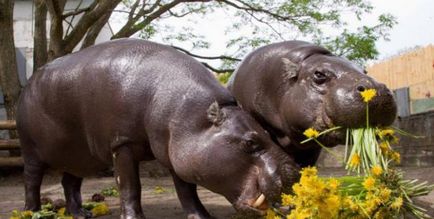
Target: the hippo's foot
(132, 216)
(199, 216)
(80, 213)
(187, 195)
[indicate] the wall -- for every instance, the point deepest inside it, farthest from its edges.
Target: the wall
(24, 24)
(417, 151)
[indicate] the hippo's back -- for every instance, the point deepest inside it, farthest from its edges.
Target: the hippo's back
(80, 105)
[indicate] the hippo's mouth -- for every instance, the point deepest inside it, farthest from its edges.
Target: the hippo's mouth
(333, 138)
(255, 206)
(260, 203)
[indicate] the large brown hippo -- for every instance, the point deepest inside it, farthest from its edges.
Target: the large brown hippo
(294, 85)
(130, 100)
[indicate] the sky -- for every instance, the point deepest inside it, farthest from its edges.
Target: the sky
(415, 24)
(415, 27)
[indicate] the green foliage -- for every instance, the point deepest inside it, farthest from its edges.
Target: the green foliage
(223, 78)
(110, 192)
(254, 23)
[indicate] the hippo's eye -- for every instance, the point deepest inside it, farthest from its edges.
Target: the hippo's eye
(250, 143)
(251, 146)
(319, 77)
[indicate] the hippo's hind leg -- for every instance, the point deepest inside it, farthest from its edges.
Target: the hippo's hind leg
(72, 187)
(189, 199)
(33, 174)
(128, 181)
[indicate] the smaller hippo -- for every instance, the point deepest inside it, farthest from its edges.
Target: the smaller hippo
(294, 85)
(125, 101)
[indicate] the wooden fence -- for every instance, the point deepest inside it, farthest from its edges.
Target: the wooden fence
(9, 144)
(412, 72)
(413, 68)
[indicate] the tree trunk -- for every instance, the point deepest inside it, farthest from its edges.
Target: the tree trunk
(9, 81)
(40, 35)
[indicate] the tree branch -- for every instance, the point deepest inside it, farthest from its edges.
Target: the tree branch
(94, 31)
(131, 27)
(133, 9)
(206, 57)
(184, 14)
(73, 16)
(86, 21)
(218, 71)
(247, 7)
(56, 47)
(75, 12)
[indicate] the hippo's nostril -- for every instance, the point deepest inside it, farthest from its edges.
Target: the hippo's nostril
(361, 88)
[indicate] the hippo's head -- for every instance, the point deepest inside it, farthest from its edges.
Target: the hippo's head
(324, 91)
(239, 160)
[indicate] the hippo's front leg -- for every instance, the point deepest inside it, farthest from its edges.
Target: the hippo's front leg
(187, 195)
(71, 187)
(127, 178)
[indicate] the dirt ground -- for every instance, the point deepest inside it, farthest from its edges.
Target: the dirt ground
(157, 204)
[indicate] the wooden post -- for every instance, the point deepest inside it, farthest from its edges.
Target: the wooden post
(10, 144)
(11, 161)
(8, 124)
(6, 144)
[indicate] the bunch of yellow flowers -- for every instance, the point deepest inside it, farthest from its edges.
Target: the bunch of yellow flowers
(378, 195)
(313, 197)
(97, 209)
(381, 192)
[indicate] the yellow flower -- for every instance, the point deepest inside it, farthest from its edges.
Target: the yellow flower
(334, 184)
(396, 157)
(385, 194)
(26, 214)
(271, 215)
(384, 146)
(388, 135)
(311, 133)
(351, 204)
(159, 190)
(397, 203)
(309, 171)
(287, 200)
(368, 94)
(386, 132)
(369, 183)
(15, 215)
(376, 170)
(61, 212)
(100, 209)
(355, 160)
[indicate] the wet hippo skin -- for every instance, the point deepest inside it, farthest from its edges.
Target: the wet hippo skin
(294, 85)
(125, 101)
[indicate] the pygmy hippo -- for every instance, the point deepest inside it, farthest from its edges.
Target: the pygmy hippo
(129, 100)
(294, 85)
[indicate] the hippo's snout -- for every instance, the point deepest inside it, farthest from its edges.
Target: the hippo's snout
(347, 107)
(278, 177)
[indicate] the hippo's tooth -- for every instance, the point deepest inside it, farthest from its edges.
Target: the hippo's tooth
(259, 201)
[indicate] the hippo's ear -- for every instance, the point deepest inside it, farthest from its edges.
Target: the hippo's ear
(290, 68)
(215, 114)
